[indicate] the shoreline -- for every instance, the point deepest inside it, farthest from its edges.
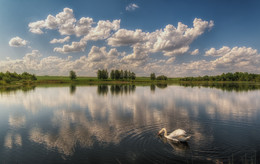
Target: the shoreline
(62, 80)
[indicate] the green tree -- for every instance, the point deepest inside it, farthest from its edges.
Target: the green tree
(99, 75)
(7, 79)
(129, 75)
(205, 78)
(133, 76)
(121, 74)
(112, 74)
(73, 75)
(33, 77)
(117, 74)
(152, 76)
(104, 74)
(162, 77)
(126, 74)
(257, 78)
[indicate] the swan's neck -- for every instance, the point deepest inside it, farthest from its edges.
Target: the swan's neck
(165, 132)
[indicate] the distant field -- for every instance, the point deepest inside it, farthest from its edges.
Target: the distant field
(64, 78)
(90, 78)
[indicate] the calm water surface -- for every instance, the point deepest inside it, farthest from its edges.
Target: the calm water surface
(119, 124)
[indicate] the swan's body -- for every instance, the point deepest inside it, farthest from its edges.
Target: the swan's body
(178, 135)
(178, 147)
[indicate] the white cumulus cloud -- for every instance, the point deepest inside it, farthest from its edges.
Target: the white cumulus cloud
(170, 41)
(125, 37)
(97, 54)
(220, 52)
(67, 24)
(98, 58)
(131, 7)
(170, 60)
(64, 22)
(74, 47)
(195, 52)
(102, 30)
(238, 59)
(17, 42)
(66, 39)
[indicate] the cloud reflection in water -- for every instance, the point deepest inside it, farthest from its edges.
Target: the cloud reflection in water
(106, 115)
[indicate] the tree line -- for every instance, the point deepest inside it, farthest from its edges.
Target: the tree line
(237, 76)
(116, 74)
(8, 77)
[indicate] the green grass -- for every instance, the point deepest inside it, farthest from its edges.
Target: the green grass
(65, 80)
(52, 78)
(95, 80)
(61, 81)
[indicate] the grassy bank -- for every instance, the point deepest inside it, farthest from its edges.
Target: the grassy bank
(65, 80)
(94, 80)
(16, 83)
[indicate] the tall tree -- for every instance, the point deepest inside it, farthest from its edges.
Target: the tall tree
(117, 74)
(121, 74)
(73, 75)
(125, 74)
(112, 74)
(133, 76)
(152, 76)
(99, 75)
(104, 74)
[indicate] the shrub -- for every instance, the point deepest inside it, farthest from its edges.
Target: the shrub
(7, 79)
(162, 77)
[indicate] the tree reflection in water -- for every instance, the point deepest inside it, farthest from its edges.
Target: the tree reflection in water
(238, 87)
(161, 85)
(122, 89)
(152, 88)
(72, 89)
(14, 89)
(102, 89)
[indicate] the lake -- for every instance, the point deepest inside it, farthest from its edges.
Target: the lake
(119, 124)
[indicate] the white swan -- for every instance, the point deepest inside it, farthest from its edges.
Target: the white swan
(178, 147)
(178, 135)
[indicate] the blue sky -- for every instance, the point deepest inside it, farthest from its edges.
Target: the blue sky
(176, 38)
